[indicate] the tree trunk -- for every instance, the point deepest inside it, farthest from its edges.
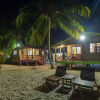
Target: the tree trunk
(2, 59)
(49, 46)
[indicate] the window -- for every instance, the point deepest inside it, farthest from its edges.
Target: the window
(15, 52)
(73, 50)
(37, 52)
(42, 52)
(94, 47)
(76, 50)
(57, 50)
(98, 47)
(29, 52)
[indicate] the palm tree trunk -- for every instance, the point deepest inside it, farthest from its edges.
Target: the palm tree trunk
(49, 46)
(2, 59)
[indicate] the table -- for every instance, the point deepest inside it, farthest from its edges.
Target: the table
(83, 83)
(67, 79)
(53, 78)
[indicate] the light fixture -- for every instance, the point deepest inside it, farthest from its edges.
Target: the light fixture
(62, 45)
(18, 45)
(8, 56)
(82, 37)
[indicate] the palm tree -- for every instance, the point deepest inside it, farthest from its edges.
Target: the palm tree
(7, 39)
(51, 14)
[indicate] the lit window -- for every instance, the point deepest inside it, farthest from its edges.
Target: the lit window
(92, 47)
(76, 50)
(98, 47)
(15, 52)
(37, 52)
(73, 50)
(42, 52)
(29, 52)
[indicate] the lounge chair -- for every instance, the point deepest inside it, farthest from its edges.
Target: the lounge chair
(60, 71)
(86, 79)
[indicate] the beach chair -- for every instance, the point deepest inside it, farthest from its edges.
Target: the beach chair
(86, 79)
(60, 71)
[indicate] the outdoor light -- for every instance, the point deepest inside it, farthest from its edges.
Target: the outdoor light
(62, 45)
(82, 37)
(8, 56)
(18, 45)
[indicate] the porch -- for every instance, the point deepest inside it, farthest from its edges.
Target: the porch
(67, 53)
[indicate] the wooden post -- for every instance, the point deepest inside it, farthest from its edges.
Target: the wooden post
(27, 58)
(63, 53)
(55, 54)
(32, 53)
(2, 58)
(19, 57)
(60, 51)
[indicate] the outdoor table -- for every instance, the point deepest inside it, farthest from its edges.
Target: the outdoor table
(53, 78)
(67, 79)
(83, 83)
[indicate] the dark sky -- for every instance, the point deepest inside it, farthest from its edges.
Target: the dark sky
(10, 8)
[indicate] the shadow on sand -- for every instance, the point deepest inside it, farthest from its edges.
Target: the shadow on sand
(46, 88)
(63, 90)
(84, 94)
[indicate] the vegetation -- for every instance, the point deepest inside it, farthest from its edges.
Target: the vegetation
(35, 21)
(70, 63)
(7, 39)
(49, 14)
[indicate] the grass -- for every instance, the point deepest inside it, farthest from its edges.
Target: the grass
(78, 62)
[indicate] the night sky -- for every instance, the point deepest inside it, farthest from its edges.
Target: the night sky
(10, 9)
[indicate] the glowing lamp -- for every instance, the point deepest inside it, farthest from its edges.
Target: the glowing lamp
(82, 37)
(62, 45)
(18, 45)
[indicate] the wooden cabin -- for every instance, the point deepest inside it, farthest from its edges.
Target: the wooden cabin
(78, 50)
(28, 55)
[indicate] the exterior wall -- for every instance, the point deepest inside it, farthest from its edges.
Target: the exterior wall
(69, 52)
(15, 58)
(22, 55)
(85, 50)
(86, 55)
(73, 57)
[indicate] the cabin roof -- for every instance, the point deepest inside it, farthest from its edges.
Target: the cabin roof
(26, 47)
(71, 40)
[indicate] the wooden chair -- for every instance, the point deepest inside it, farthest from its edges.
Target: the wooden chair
(86, 79)
(60, 71)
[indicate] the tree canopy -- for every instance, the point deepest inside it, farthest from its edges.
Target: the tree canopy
(7, 39)
(33, 19)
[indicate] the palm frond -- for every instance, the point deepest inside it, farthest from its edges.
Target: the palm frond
(39, 30)
(80, 10)
(71, 31)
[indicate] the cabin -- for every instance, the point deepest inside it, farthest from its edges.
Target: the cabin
(78, 50)
(28, 55)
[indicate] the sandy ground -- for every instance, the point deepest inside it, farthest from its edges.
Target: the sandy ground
(18, 83)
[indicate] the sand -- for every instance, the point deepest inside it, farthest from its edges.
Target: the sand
(18, 83)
